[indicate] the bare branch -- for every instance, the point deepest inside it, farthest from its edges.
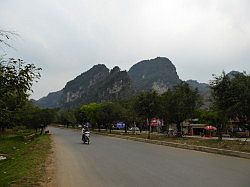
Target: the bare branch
(6, 36)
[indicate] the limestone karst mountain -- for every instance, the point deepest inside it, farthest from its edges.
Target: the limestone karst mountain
(100, 84)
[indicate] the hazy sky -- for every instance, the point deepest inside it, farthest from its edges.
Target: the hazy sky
(66, 38)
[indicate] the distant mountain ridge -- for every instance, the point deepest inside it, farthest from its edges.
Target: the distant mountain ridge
(52, 100)
(100, 84)
(158, 74)
(202, 87)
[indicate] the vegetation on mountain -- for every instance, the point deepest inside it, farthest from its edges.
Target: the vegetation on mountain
(158, 74)
(87, 79)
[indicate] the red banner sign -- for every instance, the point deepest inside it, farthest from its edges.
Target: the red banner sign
(155, 122)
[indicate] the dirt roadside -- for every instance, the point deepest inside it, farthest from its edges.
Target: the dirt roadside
(50, 167)
(62, 167)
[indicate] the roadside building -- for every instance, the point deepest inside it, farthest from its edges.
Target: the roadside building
(194, 129)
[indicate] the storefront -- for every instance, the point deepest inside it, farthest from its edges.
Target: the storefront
(194, 129)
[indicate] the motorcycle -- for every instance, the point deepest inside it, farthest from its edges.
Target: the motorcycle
(85, 137)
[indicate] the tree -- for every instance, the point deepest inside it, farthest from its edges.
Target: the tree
(80, 116)
(129, 115)
(67, 117)
(222, 95)
(240, 107)
(166, 101)
(207, 116)
(16, 80)
(28, 116)
(110, 113)
(147, 105)
(46, 117)
(90, 113)
(231, 98)
(180, 104)
(34, 117)
(103, 114)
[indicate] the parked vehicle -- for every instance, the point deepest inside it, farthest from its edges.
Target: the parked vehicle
(239, 132)
(134, 129)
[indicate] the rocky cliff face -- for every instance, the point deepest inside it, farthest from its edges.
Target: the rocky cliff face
(50, 101)
(79, 89)
(204, 91)
(202, 87)
(96, 85)
(156, 74)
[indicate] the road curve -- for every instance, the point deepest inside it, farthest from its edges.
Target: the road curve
(113, 162)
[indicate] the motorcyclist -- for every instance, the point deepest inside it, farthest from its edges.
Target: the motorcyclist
(84, 130)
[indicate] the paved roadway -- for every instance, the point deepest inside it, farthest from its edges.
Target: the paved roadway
(112, 162)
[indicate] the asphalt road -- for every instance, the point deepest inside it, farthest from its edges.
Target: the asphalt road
(112, 162)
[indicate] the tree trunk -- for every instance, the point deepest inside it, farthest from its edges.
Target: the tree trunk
(2, 129)
(140, 127)
(99, 127)
(167, 129)
(42, 128)
(179, 133)
(219, 133)
(149, 129)
(220, 136)
(126, 128)
(110, 128)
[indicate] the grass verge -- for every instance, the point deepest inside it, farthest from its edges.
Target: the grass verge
(233, 145)
(26, 157)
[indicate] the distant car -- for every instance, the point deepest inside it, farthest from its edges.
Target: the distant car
(134, 129)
